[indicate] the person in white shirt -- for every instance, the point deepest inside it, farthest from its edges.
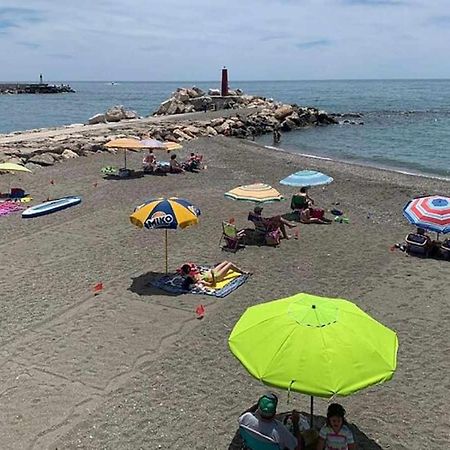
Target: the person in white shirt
(261, 418)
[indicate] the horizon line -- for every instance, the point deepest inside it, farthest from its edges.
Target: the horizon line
(236, 81)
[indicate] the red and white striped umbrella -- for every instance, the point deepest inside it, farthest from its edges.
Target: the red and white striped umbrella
(430, 213)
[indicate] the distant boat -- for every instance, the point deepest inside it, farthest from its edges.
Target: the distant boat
(113, 83)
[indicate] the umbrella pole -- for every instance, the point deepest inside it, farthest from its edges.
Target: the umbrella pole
(311, 419)
(125, 158)
(167, 262)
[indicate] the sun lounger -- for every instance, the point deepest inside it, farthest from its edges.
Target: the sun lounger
(232, 237)
(257, 441)
(418, 244)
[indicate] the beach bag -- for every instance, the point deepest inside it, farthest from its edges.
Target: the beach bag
(17, 192)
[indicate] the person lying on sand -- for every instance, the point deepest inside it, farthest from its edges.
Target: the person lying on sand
(192, 274)
(270, 223)
(314, 215)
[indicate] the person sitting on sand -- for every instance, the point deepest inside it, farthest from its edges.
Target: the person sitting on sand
(193, 163)
(149, 162)
(261, 419)
(193, 275)
(175, 166)
(269, 223)
(335, 434)
(301, 200)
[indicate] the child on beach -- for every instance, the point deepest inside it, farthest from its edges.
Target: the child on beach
(175, 166)
(335, 434)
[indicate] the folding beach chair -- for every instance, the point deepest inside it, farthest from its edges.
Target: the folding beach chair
(232, 237)
(256, 441)
(266, 235)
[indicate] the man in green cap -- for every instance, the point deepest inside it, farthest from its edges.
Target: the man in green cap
(260, 418)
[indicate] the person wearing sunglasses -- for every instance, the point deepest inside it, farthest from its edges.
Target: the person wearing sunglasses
(261, 419)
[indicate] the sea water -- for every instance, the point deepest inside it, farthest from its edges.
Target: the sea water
(406, 122)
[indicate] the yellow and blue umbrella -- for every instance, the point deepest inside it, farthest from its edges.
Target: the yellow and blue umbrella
(167, 214)
(257, 193)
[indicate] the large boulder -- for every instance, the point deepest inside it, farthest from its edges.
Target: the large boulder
(182, 95)
(164, 106)
(115, 114)
(45, 159)
(32, 166)
(98, 118)
(181, 135)
(191, 129)
(211, 131)
(199, 91)
(176, 107)
(129, 114)
(283, 111)
(288, 124)
(192, 93)
(28, 152)
(217, 122)
(213, 91)
(69, 154)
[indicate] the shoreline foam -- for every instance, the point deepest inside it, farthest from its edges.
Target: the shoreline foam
(397, 170)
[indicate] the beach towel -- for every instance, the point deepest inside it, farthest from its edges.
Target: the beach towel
(173, 283)
(7, 208)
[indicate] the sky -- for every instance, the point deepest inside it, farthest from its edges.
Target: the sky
(175, 40)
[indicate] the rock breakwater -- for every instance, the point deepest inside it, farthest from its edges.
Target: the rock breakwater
(247, 118)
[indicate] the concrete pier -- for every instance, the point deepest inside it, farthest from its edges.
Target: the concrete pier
(33, 88)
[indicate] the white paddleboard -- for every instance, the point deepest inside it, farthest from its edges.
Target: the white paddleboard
(50, 207)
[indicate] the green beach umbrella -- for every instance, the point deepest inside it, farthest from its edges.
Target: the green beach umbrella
(314, 345)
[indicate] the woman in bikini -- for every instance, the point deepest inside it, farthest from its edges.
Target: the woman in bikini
(192, 274)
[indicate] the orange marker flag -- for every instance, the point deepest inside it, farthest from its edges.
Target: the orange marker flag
(200, 311)
(98, 288)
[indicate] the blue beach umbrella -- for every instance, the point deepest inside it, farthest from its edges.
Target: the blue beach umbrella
(306, 178)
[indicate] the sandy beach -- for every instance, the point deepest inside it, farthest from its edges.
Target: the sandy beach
(132, 368)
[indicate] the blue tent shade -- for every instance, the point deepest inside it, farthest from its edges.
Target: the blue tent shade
(306, 178)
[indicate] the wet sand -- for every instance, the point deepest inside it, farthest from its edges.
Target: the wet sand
(133, 368)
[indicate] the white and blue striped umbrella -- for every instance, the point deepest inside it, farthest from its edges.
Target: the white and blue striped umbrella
(306, 178)
(430, 213)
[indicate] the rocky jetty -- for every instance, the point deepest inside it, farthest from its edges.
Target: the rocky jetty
(246, 118)
(36, 88)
